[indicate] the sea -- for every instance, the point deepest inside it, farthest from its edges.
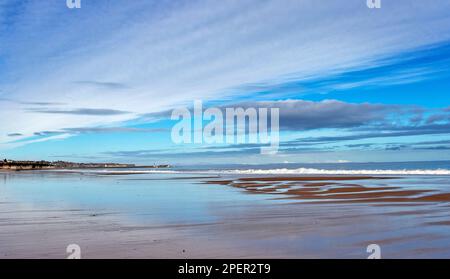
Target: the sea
(229, 211)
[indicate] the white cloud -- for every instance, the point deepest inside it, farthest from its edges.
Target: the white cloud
(163, 53)
(25, 142)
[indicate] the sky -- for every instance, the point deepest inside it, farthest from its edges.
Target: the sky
(98, 83)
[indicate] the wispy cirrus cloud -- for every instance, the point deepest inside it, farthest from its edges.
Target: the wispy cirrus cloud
(46, 133)
(103, 85)
(379, 132)
(41, 103)
(114, 130)
(15, 135)
(99, 130)
(149, 56)
(411, 67)
(20, 143)
(81, 111)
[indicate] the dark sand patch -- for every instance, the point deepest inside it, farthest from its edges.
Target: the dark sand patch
(170, 178)
(334, 189)
(312, 178)
(439, 223)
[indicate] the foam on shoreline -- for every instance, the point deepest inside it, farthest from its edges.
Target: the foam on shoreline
(281, 171)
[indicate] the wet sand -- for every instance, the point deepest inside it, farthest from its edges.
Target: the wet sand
(284, 217)
(336, 189)
(32, 234)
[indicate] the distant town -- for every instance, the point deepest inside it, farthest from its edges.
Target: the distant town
(36, 165)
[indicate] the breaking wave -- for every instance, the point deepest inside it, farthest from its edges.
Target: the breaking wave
(341, 172)
(298, 171)
(278, 171)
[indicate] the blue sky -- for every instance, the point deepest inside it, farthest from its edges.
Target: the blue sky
(352, 83)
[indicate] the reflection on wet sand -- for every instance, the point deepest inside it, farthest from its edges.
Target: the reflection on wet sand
(201, 216)
(336, 189)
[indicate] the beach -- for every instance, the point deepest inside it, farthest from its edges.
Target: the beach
(170, 214)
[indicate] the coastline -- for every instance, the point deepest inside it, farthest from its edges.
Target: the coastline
(64, 165)
(180, 216)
